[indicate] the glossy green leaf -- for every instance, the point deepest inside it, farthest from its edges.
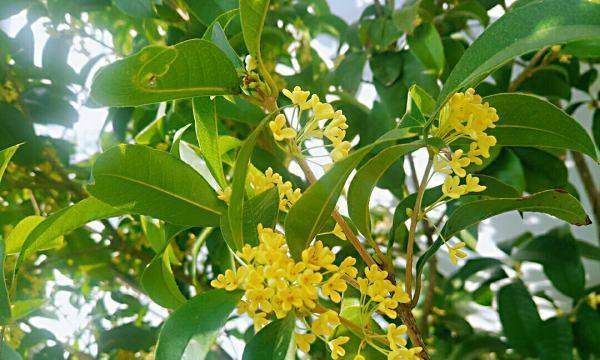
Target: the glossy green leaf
(426, 44)
(476, 346)
(519, 317)
(205, 117)
(363, 183)
(152, 182)
(137, 8)
(63, 222)
(158, 73)
(218, 37)
(16, 237)
(159, 283)
(306, 218)
(422, 99)
(348, 73)
(238, 187)
(208, 10)
(556, 339)
(253, 14)
(273, 342)
(519, 31)
(558, 253)
(556, 203)
(586, 330)
(5, 156)
(191, 330)
(527, 120)
(5, 309)
(542, 170)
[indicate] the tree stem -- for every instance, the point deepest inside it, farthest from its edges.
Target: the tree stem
(590, 188)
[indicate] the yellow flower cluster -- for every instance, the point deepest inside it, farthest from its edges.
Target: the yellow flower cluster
(261, 182)
(325, 122)
(274, 283)
(464, 116)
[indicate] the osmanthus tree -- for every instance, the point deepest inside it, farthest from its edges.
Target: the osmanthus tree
(232, 151)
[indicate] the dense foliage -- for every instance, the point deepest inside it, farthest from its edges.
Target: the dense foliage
(238, 165)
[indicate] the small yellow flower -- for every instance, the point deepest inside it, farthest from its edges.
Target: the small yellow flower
(387, 307)
(260, 297)
(452, 187)
(440, 312)
(337, 231)
(260, 320)
(347, 267)
(405, 354)
(303, 341)
(290, 297)
(318, 256)
(335, 131)
(298, 97)
(593, 299)
(225, 194)
(248, 253)
(440, 164)
(395, 336)
(472, 184)
(336, 347)
(458, 162)
(456, 253)
(359, 357)
(333, 287)
(322, 111)
(227, 281)
(279, 129)
(325, 323)
(400, 295)
(374, 273)
(340, 151)
(474, 153)
(484, 142)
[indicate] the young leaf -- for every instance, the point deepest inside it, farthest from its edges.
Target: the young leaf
(22, 308)
(426, 44)
(63, 222)
(16, 237)
(552, 202)
(253, 14)
(520, 319)
(306, 218)
(527, 120)
(5, 312)
(191, 330)
(519, 31)
(205, 117)
(159, 283)
(5, 156)
(158, 73)
(218, 37)
(152, 182)
(273, 342)
(366, 178)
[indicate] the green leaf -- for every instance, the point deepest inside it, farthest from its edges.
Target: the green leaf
(16, 237)
(273, 342)
(519, 317)
(586, 330)
(159, 73)
(218, 37)
(5, 156)
(476, 346)
(348, 74)
(235, 212)
(5, 311)
(542, 170)
(426, 44)
(152, 182)
(253, 14)
(205, 117)
(306, 218)
(422, 99)
(22, 308)
(366, 178)
(558, 253)
(8, 353)
(527, 120)
(552, 202)
(137, 8)
(206, 11)
(519, 31)
(191, 330)
(63, 222)
(556, 339)
(159, 283)
(588, 250)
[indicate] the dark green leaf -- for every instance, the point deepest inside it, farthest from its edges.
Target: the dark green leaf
(543, 171)
(138, 8)
(586, 330)
(273, 342)
(556, 339)
(206, 11)
(348, 74)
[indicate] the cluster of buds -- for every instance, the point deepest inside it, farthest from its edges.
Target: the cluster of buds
(252, 84)
(323, 122)
(261, 182)
(276, 285)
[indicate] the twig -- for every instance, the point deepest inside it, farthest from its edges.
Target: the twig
(531, 69)
(590, 187)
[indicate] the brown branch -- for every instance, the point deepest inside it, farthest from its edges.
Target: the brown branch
(590, 187)
(531, 69)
